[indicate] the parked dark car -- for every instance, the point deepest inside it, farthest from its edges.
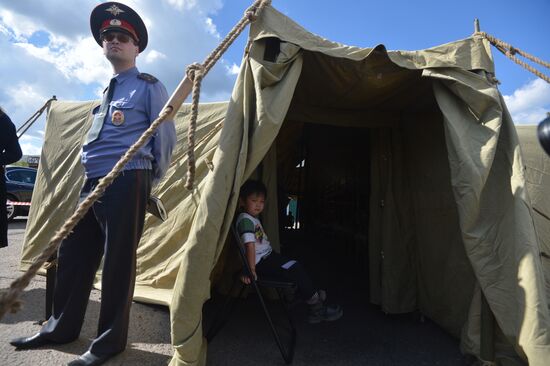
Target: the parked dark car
(19, 185)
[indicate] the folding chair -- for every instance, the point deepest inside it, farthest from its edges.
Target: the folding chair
(221, 318)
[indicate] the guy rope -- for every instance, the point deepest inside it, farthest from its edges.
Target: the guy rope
(511, 51)
(25, 126)
(9, 299)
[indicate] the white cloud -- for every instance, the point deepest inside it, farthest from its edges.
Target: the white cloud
(27, 83)
(154, 55)
(25, 94)
(47, 49)
(211, 28)
(98, 92)
(27, 138)
(54, 16)
(234, 69)
(203, 6)
(530, 103)
(30, 148)
(78, 61)
(17, 26)
(184, 33)
(30, 145)
(180, 32)
(183, 4)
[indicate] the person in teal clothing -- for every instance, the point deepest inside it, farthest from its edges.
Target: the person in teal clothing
(112, 228)
(263, 261)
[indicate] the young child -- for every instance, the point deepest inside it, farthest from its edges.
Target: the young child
(263, 261)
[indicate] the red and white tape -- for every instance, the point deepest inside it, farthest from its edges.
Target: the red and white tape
(16, 203)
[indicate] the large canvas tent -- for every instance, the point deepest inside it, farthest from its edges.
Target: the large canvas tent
(421, 139)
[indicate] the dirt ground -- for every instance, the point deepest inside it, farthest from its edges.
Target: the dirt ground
(364, 336)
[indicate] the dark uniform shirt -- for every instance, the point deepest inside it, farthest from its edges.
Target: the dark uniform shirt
(10, 151)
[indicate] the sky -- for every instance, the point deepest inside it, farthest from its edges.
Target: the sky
(46, 47)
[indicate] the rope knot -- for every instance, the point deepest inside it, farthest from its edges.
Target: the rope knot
(251, 15)
(194, 70)
(252, 12)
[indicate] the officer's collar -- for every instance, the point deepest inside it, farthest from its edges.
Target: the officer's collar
(132, 72)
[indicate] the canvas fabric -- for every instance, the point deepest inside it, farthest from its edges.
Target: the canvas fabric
(450, 212)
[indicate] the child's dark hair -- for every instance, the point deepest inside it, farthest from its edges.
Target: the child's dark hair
(252, 186)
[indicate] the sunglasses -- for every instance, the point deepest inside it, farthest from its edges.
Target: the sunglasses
(122, 38)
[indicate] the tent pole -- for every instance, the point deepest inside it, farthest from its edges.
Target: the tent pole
(178, 97)
(476, 25)
(487, 341)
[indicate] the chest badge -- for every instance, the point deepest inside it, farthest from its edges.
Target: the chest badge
(117, 118)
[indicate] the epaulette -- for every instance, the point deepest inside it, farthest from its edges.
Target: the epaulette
(147, 77)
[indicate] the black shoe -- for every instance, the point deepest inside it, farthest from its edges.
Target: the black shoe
(35, 341)
(89, 359)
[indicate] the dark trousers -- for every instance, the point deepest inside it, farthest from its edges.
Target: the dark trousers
(111, 229)
(3, 212)
(271, 266)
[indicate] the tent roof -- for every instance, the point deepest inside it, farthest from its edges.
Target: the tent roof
(473, 53)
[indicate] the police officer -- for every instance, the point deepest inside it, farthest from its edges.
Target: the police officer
(113, 226)
(10, 152)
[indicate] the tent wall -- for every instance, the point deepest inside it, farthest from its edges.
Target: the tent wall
(60, 177)
(351, 85)
(537, 175)
(487, 176)
(445, 278)
(391, 232)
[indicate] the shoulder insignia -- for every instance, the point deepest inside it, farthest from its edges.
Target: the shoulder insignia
(147, 77)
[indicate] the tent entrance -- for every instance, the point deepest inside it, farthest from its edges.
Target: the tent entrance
(328, 212)
(362, 154)
(332, 205)
(342, 155)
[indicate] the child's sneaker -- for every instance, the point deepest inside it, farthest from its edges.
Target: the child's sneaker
(322, 295)
(324, 313)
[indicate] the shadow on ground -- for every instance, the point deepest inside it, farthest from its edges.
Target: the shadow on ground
(364, 336)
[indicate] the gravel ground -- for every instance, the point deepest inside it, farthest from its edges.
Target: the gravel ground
(364, 336)
(149, 333)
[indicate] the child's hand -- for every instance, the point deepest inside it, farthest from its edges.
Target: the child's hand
(247, 280)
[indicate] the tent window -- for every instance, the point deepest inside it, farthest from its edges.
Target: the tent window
(272, 49)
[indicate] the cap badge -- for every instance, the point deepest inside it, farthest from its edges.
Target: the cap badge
(117, 118)
(115, 22)
(115, 10)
